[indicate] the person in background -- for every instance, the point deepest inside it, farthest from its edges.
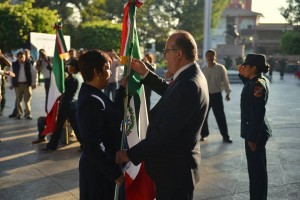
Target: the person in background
(113, 80)
(255, 128)
(79, 52)
(217, 79)
(23, 83)
(67, 105)
(150, 63)
(272, 63)
(99, 121)
(44, 65)
(72, 54)
(282, 66)
(4, 64)
(29, 59)
(4, 73)
(171, 149)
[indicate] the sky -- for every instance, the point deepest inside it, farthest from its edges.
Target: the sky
(269, 8)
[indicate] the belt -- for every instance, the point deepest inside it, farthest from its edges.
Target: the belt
(22, 82)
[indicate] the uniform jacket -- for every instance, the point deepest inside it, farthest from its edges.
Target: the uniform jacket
(99, 122)
(254, 124)
(171, 149)
(16, 69)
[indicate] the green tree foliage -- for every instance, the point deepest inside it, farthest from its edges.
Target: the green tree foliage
(155, 19)
(290, 42)
(99, 34)
(61, 6)
(94, 11)
(17, 21)
(292, 12)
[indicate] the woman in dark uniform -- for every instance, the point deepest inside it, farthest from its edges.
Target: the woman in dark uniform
(255, 128)
(99, 122)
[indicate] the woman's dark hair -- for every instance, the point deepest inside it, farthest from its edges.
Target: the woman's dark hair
(263, 69)
(90, 60)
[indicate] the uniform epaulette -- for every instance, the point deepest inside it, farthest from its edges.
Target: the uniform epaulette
(260, 80)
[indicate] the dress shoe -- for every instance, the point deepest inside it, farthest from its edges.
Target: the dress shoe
(47, 149)
(19, 117)
(202, 139)
(37, 141)
(12, 115)
(227, 140)
(28, 117)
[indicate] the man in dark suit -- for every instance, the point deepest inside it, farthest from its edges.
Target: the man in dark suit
(171, 150)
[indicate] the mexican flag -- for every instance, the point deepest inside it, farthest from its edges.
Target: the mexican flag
(57, 79)
(138, 185)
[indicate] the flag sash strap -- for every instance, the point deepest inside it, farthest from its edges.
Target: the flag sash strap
(128, 70)
(138, 185)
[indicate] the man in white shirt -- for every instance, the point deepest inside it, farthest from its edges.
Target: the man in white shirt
(113, 80)
(44, 65)
(23, 82)
(217, 80)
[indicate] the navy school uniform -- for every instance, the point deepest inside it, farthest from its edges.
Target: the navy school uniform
(255, 128)
(99, 122)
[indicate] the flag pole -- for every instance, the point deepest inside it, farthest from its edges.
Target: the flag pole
(128, 70)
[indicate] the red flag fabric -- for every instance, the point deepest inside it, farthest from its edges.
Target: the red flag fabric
(51, 119)
(136, 190)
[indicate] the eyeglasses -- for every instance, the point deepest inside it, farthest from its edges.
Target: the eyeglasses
(166, 50)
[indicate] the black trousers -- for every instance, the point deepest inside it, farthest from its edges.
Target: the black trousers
(216, 103)
(257, 170)
(3, 90)
(66, 111)
(47, 86)
(174, 191)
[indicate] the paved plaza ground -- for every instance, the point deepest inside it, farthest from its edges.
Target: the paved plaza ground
(26, 172)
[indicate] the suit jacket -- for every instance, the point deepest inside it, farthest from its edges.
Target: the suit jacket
(171, 149)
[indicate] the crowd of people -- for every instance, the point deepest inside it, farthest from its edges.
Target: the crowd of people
(93, 104)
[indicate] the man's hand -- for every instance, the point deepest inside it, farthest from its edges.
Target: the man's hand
(252, 145)
(121, 157)
(120, 180)
(227, 98)
(139, 67)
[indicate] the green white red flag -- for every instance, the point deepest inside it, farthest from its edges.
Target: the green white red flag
(57, 79)
(138, 185)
